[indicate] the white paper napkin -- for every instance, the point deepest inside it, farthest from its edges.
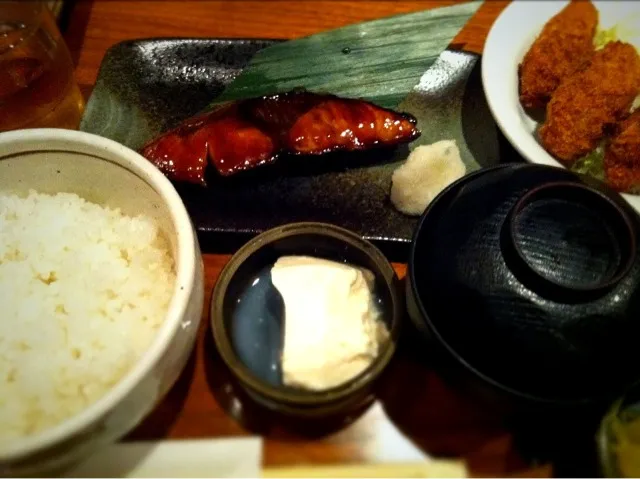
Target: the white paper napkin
(234, 457)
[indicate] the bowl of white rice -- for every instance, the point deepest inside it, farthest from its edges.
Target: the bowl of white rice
(101, 289)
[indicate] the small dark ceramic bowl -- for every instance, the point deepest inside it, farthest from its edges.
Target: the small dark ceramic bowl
(247, 316)
(525, 279)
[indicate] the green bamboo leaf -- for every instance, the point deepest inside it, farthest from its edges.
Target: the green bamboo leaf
(380, 61)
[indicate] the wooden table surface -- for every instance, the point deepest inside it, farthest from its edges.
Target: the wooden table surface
(429, 418)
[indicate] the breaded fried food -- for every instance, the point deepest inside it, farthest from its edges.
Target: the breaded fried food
(564, 46)
(622, 155)
(590, 101)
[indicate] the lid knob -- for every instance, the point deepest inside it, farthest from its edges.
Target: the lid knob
(567, 238)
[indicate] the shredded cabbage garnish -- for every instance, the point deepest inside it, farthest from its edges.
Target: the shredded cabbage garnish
(592, 164)
(605, 36)
(625, 31)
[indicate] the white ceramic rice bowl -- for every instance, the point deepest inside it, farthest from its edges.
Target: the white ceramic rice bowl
(107, 173)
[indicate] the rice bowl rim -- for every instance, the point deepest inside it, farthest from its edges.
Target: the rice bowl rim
(13, 143)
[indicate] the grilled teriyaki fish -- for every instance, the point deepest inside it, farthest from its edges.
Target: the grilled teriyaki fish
(249, 133)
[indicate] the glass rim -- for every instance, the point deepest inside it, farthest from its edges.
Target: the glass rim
(604, 440)
(31, 22)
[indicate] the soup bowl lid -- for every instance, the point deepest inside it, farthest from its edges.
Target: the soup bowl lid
(528, 274)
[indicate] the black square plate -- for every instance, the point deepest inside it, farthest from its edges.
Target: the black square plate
(147, 86)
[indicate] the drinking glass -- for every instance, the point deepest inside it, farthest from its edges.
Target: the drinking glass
(37, 86)
(618, 438)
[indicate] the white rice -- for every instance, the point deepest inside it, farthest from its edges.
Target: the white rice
(83, 290)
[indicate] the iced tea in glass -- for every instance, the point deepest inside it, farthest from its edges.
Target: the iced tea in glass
(37, 86)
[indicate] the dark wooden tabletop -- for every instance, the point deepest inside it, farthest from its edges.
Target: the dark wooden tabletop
(429, 417)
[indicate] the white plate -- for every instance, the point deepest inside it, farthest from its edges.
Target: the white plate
(509, 39)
